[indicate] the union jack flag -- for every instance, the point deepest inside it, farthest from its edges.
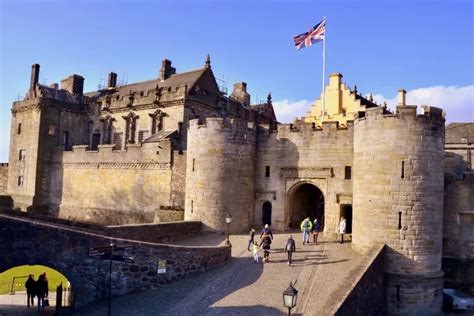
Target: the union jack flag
(316, 34)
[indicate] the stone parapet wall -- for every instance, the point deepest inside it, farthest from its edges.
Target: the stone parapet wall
(364, 292)
(3, 178)
(220, 173)
(25, 241)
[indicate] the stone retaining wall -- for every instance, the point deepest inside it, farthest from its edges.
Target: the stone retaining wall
(365, 293)
(3, 178)
(65, 249)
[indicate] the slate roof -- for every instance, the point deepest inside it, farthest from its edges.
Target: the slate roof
(160, 135)
(188, 78)
(60, 95)
(456, 131)
(264, 109)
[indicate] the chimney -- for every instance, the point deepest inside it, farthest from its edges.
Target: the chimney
(335, 80)
(74, 84)
(112, 80)
(401, 97)
(35, 70)
(166, 70)
(240, 94)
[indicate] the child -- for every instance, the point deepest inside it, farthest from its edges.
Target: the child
(255, 252)
(315, 231)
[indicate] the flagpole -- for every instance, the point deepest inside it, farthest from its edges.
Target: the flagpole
(324, 72)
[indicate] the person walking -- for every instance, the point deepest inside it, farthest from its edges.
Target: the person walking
(266, 231)
(251, 239)
(265, 244)
(306, 227)
(41, 290)
(290, 248)
(315, 231)
(30, 286)
(255, 252)
(342, 229)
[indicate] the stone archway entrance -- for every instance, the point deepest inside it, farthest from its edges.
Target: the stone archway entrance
(267, 213)
(307, 200)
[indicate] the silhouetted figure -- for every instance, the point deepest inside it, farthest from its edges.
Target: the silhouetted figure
(251, 238)
(265, 244)
(30, 286)
(41, 290)
(290, 247)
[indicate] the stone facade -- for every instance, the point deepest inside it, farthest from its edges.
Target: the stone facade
(3, 178)
(150, 151)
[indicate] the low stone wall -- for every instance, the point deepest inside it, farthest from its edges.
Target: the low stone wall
(158, 232)
(171, 215)
(365, 293)
(3, 178)
(25, 240)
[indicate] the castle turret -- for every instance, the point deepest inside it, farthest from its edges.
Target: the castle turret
(398, 201)
(220, 173)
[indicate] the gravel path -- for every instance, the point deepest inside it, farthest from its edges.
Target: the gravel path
(244, 288)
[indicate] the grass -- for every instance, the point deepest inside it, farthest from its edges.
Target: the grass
(6, 278)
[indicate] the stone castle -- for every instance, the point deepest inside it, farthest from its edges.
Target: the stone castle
(177, 147)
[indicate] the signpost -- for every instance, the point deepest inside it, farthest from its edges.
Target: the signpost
(107, 253)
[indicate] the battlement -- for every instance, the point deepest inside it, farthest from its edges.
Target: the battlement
(3, 164)
(430, 115)
(218, 123)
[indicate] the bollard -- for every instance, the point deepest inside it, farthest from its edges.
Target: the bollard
(59, 298)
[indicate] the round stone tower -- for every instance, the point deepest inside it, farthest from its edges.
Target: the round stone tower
(398, 201)
(220, 164)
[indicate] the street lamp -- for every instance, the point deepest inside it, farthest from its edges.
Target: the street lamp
(289, 298)
(228, 220)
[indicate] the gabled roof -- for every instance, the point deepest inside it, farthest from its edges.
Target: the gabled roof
(188, 78)
(456, 131)
(160, 136)
(264, 109)
(60, 95)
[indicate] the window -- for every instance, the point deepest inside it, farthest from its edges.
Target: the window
(65, 139)
(348, 172)
(399, 220)
(267, 171)
(52, 130)
(398, 293)
(194, 162)
(22, 155)
(20, 180)
(403, 170)
(192, 206)
(19, 129)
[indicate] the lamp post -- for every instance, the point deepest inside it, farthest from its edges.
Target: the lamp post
(289, 298)
(228, 220)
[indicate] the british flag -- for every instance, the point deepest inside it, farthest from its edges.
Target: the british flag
(316, 34)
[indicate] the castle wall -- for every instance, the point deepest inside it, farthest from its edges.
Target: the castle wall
(3, 178)
(302, 154)
(398, 201)
(458, 232)
(28, 114)
(112, 187)
(220, 173)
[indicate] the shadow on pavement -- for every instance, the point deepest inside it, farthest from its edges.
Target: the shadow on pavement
(245, 310)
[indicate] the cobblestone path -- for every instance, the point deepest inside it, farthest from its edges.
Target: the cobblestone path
(244, 288)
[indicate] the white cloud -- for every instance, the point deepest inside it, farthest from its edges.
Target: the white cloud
(287, 110)
(457, 102)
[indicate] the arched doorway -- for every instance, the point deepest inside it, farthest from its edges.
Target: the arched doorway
(307, 200)
(267, 213)
(13, 290)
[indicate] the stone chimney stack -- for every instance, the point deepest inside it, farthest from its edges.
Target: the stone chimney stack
(74, 84)
(402, 97)
(35, 70)
(166, 70)
(240, 94)
(112, 80)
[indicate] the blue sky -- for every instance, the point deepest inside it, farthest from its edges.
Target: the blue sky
(425, 47)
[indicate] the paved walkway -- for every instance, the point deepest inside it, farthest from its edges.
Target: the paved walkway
(244, 288)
